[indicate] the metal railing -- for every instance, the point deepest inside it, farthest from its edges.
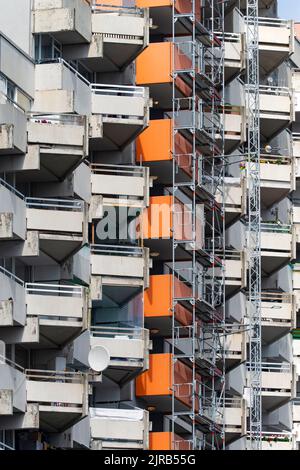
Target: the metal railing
(34, 288)
(283, 367)
(4, 446)
(12, 276)
(122, 170)
(127, 7)
(54, 376)
(59, 60)
(136, 333)
(61, 119)
(9, 362)
(118, 90)
(117, 250)
(54, 204)
(275, 228)
(11, 189)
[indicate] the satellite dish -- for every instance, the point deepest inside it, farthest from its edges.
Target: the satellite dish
(99, 358)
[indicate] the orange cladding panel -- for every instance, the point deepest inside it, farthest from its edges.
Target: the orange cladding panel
(153, 3)
(157, 298)
(154, 144)
(157, 218)
(157, 379)
(160, 441)
(153, 65)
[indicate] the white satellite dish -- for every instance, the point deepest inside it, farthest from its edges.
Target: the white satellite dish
(99, 358)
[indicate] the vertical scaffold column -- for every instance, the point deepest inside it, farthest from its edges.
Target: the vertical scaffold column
(254, 232)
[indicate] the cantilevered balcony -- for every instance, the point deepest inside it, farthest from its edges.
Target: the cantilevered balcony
(41, 314)
(12, 127)
(276, 42)
(62, 142)
(68, 22)
(60, 223)
(234, 199)
(61, 311)
(117, 265)
(118, 186)
(276, 110)
(234, 124)
(276, 246)
(119, 114)
(62, 397)
(277, 315)
(234, 60)
(128, 350)
(270, 441)
(296, 153)
(60, 89)
(12, 213)
(234, 417)
(119, 428)
(277, 176)
(12, 388)
(276, 384)
(235, 272)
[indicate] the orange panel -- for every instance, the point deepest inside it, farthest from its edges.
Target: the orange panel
(153, 3)
(157, 299)
(157, 218)
(160, 441)
(154, 144)
(153, 65)
(182, 6)
(156, 380)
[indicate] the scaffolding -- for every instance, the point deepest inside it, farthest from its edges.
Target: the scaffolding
(253, 219)
(198, 227)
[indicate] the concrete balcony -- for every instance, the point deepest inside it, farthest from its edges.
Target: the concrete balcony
(62, 142)
(42, 315)
(119, 428)
(234, 60)
(61, 310)
(68, 22)
(296, 153)
(234, 417)
(234, 348)
(234, 123)
(120, 113)
(277, 176)
(13, 139)
(119, 35)
(62, 397)
(118, 186)
(277, 383)
(119, 265)
(12, 213)
(127, 347)
(277, 315)
(60, 89)
(276, 110)
(12, 388)
(270, 441)
(234, 199)
(276, 42)
(235, 272)
(60, 223)
(276, 246)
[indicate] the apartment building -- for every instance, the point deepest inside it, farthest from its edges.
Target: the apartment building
(125, 180)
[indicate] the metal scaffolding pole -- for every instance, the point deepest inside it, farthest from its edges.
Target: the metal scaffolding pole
(198, 404)
(254, 229)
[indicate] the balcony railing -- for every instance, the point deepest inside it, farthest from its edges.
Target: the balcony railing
(128, 7)
(61, 119)
(34, 288)
(117, 250)
(276, 228)
(273, 367)
(118, 90)
(12, 276)
(54, 204)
